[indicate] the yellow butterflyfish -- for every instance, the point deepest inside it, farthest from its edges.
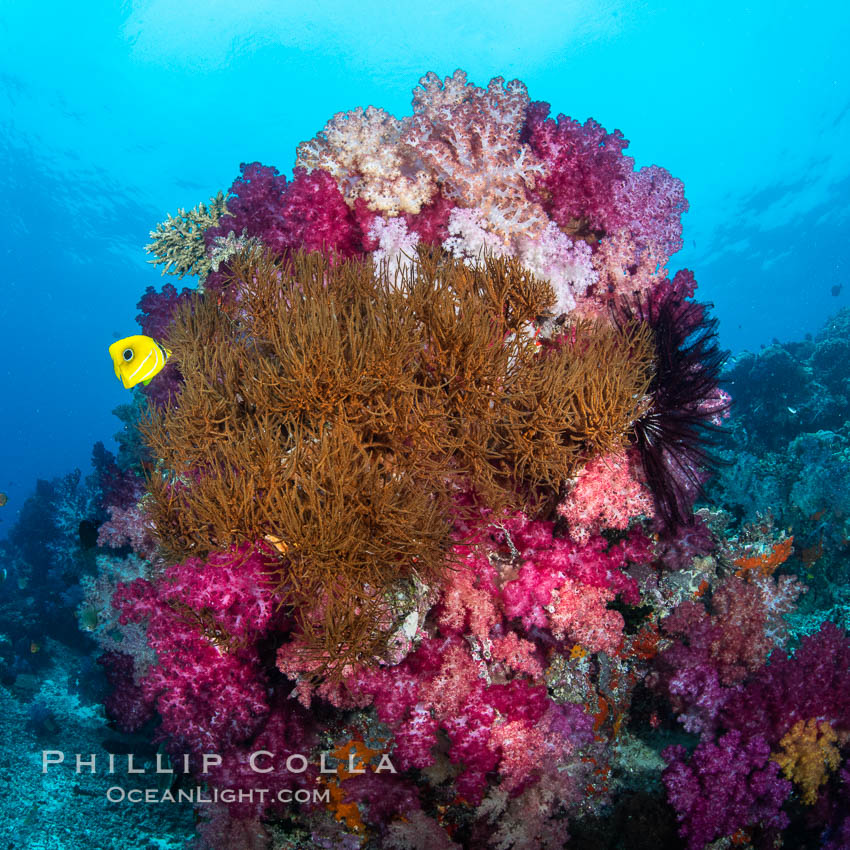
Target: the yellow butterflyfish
(137, 359)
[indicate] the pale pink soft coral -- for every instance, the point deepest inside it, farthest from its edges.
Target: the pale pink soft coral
(580, 613)
(396, 246)
(626, 270)
(606, 493)
(469, 138)
(565, 263)
(361, 150)
(522, 749)
(468, 238)
(449, 689)
(551, 255)
(128, 527)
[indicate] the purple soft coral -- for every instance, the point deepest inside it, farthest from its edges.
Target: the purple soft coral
(307, 213)
(725, 786)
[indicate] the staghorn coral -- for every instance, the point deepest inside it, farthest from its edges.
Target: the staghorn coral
(178, 242)
(336, 411)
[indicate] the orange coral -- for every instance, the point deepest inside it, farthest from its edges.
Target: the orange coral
(644, 644)
(357, 754)
(764, 563)
(809, 753)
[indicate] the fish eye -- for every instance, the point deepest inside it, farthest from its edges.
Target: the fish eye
(128, 354)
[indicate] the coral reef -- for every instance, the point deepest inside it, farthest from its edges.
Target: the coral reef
(411, 516)
(786, 449)
(413, 368)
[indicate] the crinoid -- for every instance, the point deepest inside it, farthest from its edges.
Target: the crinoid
(338, 412)
(675, 434)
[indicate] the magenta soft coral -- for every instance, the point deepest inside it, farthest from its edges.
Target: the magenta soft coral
(287, 730)
(478, 678)
(209, 698)
(157, 309)
(307, 213)
(590, 181)
(546, 561)
(440, 686)
(549, 583)
(584, 164)
(127, 704)
(728, 782)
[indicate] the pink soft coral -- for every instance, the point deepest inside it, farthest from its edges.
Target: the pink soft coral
(606, 493)
(584, 164)
(308, 213)
(203, 620)
(469, 138)
(580, 613)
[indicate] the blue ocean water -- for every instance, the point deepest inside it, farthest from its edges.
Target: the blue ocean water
(114, 114)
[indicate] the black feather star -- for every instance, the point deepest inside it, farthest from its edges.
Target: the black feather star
(675, 436)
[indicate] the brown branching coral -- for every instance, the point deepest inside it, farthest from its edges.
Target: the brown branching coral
(339, 414)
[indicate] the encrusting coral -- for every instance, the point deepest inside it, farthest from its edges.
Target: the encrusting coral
(337, 413)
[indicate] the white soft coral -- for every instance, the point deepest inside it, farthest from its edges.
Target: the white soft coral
(567, 265)
(361, 150)
(396, 249)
